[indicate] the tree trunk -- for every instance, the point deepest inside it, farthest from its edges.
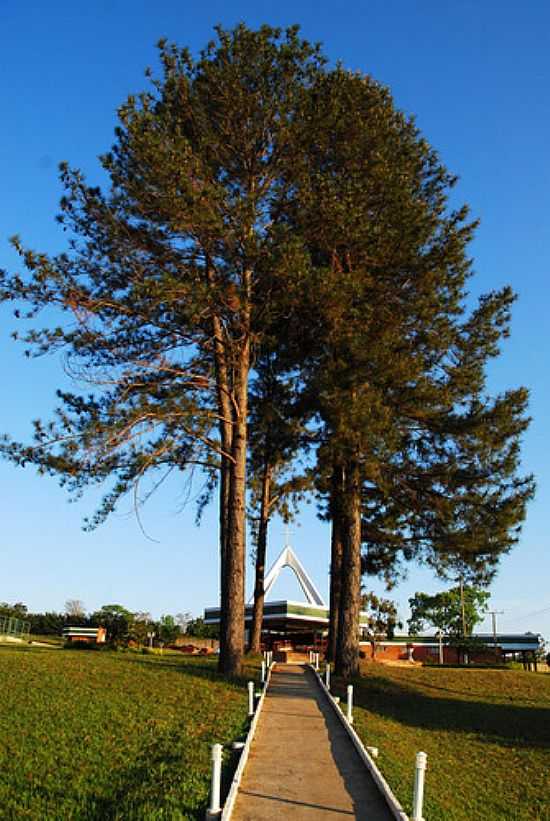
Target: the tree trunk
(226, 434)
(258, 612)
(335, 561)
(233, 639)
(224, 529)
(347, 647)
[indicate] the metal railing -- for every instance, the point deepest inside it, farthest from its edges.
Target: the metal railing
(12, 627)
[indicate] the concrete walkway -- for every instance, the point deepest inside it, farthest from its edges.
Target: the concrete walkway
(302, 765)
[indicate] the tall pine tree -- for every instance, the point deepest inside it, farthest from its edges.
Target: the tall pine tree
(170, 278)
(423, 462)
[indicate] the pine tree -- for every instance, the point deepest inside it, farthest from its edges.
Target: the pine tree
(424, 462)
(277, 484)
(258, 201)
(170, 277)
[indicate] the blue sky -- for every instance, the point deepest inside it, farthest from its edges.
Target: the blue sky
(475, 74)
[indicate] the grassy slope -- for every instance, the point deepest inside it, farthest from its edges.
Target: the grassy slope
(87, 735)
(486, 733)
(56, 641)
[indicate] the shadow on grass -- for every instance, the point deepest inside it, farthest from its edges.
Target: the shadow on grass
(202, 668)
(508, 724)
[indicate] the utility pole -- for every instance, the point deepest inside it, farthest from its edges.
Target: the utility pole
(462, 608)
(494, 614)
(463, 611)
(440, 635)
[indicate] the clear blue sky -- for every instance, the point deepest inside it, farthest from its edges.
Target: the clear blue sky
(477, 76)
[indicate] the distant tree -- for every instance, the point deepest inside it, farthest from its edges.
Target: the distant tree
(116, 619)
(74, 608)
(49, 623)
(200, 630)
(142, 624)
(454, 612)
(383, 618)
(17, 610)
(168, 630)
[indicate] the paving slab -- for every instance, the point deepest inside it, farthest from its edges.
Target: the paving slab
(302, 764)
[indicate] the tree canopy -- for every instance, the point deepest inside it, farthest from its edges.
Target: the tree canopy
(265, 209)
(455, 612)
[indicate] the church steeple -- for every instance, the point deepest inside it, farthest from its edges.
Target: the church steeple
(288, 558)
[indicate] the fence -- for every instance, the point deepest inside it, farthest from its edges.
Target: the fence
(11, 627)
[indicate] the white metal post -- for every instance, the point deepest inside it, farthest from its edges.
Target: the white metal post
(327, 676)
(317, 662)
(350, 704)
(263, 672)
(418, 794)
(214, 809)
(250, 698)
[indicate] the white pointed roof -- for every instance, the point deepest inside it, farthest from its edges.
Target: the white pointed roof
(288, 558)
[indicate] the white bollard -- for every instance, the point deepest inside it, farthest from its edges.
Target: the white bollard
(263, 672)
(327, 677)
(350, 704)
(250, 698)
(418, 794)
(316, 662)
(214, 810)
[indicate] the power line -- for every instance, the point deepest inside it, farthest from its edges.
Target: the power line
(528, 615)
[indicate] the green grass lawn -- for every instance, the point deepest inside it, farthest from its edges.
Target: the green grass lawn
(486, 733)
(104, 735)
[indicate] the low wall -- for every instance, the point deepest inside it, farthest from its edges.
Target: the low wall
(208, 644)
(382, 651)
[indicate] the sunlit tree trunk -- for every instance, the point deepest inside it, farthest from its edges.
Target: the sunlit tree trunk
(347, 646)
(335, 560)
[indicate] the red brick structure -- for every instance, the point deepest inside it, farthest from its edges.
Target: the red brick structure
(426, 649)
